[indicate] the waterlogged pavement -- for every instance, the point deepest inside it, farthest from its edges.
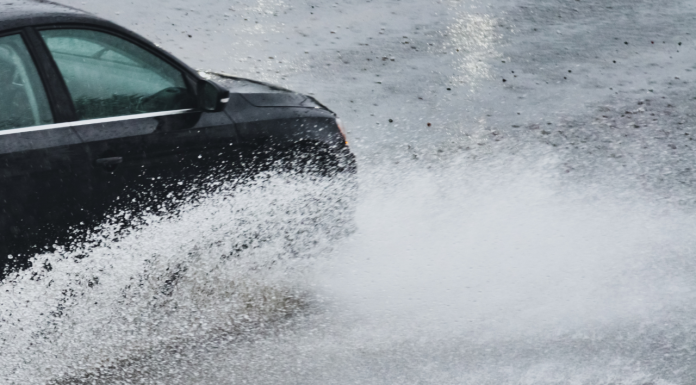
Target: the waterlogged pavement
(525, 213)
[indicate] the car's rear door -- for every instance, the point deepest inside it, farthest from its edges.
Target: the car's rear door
(137, 116)
(42, 160)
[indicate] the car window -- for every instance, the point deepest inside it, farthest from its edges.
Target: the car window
(23, 101)
(108, 76)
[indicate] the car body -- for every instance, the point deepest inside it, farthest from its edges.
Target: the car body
(93, 115)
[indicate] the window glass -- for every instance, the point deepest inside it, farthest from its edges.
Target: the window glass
(108, 76)
(23, 101)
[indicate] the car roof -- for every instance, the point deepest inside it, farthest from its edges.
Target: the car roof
(22, 13)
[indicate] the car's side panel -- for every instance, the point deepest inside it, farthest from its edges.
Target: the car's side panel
(111, 130)
(43, 189)
(154, 157)
(19, 140)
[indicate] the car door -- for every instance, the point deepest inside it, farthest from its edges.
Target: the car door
(137, 117)
(42, 163)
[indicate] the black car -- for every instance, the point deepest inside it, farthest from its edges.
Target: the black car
(91, 114)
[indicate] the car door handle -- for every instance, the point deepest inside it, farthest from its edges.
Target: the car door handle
(110, 161)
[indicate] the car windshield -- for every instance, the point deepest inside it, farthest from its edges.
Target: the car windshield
(109, 76)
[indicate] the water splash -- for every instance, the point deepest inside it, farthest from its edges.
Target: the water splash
(230, 262)
(483, 268)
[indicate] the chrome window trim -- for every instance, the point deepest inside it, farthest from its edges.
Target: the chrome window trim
(93, 121)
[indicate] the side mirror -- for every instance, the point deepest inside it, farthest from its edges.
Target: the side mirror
(212, 97)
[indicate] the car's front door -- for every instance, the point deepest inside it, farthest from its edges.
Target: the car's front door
(137, 116)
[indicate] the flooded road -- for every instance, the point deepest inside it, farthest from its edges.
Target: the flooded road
(525, 212)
